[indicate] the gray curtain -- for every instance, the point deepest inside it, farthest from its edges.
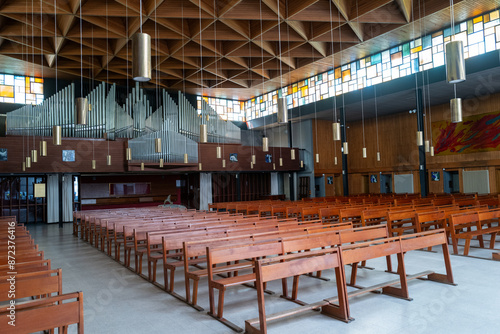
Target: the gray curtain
(52, 198)
(67, 198)
(205, 190)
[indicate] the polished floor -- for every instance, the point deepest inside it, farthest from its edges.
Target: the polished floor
(116, 300)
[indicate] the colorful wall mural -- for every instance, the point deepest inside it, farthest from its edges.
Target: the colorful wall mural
(478, 133)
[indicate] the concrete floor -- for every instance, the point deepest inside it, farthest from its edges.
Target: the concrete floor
(116, 300)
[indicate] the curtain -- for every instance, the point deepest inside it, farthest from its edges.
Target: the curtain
(274, 184)
(205, 190)
(52, 198)
(67, 198)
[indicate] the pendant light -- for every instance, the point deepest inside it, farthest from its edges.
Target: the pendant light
(94, 164)
(199, 166)
(57, 135)
(251, 165)
(335, 160)
(274, 166)
(455, 61)
(281, 162)
(142, 165)
(223, 163)
(420, 138)
(28, 162)
(24, 166)
(158, 145)
(336, 131)
(161, 162)
(292, 154)
(186, 160)
(141, 53)
(203, 133)
(34, 156)
(345, 148)
(265, 144)
(128, 154)
(43, 148)
(254, 159)
(317, 158)
(219, 152)
(282, 110)
(82, 104)
(456, 110)
(108, 160)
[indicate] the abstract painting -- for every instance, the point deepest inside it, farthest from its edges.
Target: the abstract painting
(478, 133)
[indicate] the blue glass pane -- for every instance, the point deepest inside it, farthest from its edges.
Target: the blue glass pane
(376, 58)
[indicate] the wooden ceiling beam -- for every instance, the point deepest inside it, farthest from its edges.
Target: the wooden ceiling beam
(405, 8)
(321, 47)
(227, 7)
(240, 26)
(294, 7)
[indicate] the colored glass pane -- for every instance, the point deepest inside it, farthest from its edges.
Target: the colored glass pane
(6, 91)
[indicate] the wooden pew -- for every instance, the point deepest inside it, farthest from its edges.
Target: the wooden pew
(33, 284)
(293, 265)
(45, 314)
(482, 224)
(26, 267)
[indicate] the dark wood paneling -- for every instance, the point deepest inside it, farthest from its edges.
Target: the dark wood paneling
(53, 163)
(207, 156)
(324, 144)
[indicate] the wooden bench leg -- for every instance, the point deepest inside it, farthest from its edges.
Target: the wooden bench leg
(220, 307)
(354, 272)
(467, 246)
(492, 240)
(401, 292)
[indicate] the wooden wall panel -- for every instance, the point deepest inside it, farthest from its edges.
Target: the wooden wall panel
(53, 163)
(324, 144)
(436, 187)
(207, 156)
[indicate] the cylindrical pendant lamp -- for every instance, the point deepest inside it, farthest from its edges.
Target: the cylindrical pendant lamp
(199, 166)
(345, 148)
(281, 162)
(223, 163)
(141, 57)
(82, 110)
(24, 166)
(292, 154)
(378, 156)
(34, 156)
(455, 62)
(364, 152)
(254, 159)
(456, 110)
(251, 165)
(142, 165)
(186, 158)
(108, 160)
(317, 158)
(420, 138)
(158, 145)
(265, 144)
(336, 161)
(94, 164)
(427, 145)
(274, 166)
(219, 152)
(336, 131)
(128, 153)
(282, 111)
(28, 162)
(161, 162)
(432, 151)
(57, 135)
(203, 133)
(301, 163)
(43, 148)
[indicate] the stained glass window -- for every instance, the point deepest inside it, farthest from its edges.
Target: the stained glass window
(479, 35)
(19, 89)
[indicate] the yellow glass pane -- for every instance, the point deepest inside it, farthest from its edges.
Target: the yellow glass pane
(294, 88)
(346, 75)
(40, 80)
(478, 19)
(6, 91)
(338, 73)
(487, 18)
(494, 15)
(417, 49)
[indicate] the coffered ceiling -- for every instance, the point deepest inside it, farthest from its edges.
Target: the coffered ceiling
(226, 48)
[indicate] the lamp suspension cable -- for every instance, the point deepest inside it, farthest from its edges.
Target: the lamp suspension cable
(94, 163)
(431, 149)
(43, 143)
(186, 158)
(265, 140)
(292, 150)
(282, 112)
(363, 124)
(203, 125)
(376, 123)
(108, 157)
(335, 123)
(345, 145)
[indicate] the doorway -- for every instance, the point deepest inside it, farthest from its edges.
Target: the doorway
(386, 183)
(304, 189)
(319, 186)
(451, 182)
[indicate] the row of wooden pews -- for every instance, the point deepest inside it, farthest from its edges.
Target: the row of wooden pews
(223, 249)
(31, 296)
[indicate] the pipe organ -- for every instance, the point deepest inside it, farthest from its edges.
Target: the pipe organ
(177, 124)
